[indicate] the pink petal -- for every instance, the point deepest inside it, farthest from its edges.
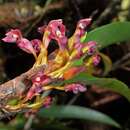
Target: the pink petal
(12, 36)
(56, 31)
(41, 79)
(78, 46)
(82, 88)
(91, 45)
(69, 87)
(36, 45)
(47, 101)
(83, 23)
(81, 27)
(96, 59)
(9, 39)
(30, 93)
(25, 45)
(75, 88)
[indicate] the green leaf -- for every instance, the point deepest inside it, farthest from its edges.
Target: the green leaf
(110, 34)
(109, 83)
(77, 112)
(57, 126)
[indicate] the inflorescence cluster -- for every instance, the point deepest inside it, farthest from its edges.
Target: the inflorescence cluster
(59, 65)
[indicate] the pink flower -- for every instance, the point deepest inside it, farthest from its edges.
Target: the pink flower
(56, 31)
(41, 79)
(78, 47)
(47, 101)
(96, 59)
(12, 36)
(38, 88)
(62, 42)
(28, 46)
(89, 47)
(36, 45)
(56, 28)
(25, 45)
(75, 88)
(81, 26)
(83, 23)
(80, 31)
(33, 91)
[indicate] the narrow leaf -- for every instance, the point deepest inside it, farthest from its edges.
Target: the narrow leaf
(109, 83)
(56, 126)
(77, 112)
(110, 34)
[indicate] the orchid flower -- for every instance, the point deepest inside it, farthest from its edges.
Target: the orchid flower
(54, 31)
(15, 35)
(59, 65)
(75, 88)
(12, 36)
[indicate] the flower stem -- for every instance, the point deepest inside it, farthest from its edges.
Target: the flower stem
(53, 87)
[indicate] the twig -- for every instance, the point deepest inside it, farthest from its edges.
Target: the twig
(105, 100)
(16, 88)
(29, 122)
(46, 8)
(118, 63)
(106, 12)
(126, 68)
(75, 4)
(73, 99)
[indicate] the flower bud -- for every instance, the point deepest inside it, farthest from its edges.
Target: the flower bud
(25, 45)
(41, 79)
(81, 26)
(89, 47)
(75, 88)
(96, 59)
(36, 45)
(55, 31)
(47, 101)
